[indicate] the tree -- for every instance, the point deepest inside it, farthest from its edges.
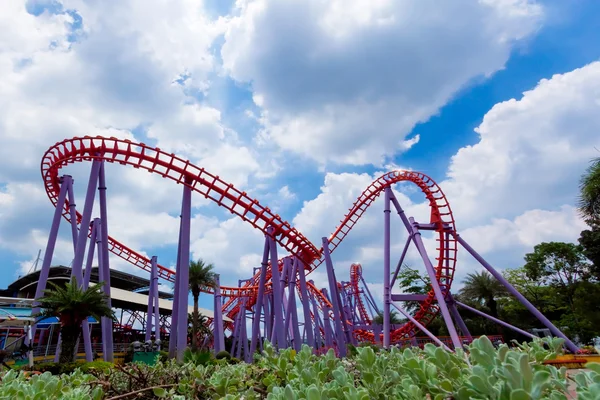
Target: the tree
(558, 264)
(413, 282)
(394, 319)
(589, 240)
(589, 191)
(72, 305)
(202, 277)
(483, 288)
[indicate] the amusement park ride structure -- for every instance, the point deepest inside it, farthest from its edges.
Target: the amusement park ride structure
(334, 317)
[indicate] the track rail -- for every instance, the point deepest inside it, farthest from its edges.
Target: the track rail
(169, 166)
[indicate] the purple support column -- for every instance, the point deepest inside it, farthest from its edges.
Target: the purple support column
(72, 213)
(401, 261)
(89, 357)
(386, 270)
(416, 237)
(183, 271)
(94, 239)
(376, 332)
(237, 325)
(339, 320)
(284, 300)
(259, 300)
(296, 338)
(305, 303)
(101, 278)
(518, 295)
(496, 320)
(175, 305)
(372, 299)
(107, 323)
(236, 348)
(317, 320)
(267, 316)
(76, 269)
(76, 266)
(218, 333)
(57, 352)
(85, 326)
(154, 266)
(278, 323)
(422, 328)
(148, 333)
(457, 318)
(327, 327)
(237, 330)
(49, 251)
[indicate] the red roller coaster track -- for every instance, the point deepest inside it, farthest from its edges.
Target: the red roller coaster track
(154, 160)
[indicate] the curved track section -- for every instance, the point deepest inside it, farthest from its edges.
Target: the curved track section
(154, 160)
(141, 156)
(355, 275)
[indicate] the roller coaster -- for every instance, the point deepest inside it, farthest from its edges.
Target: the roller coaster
(333, 317)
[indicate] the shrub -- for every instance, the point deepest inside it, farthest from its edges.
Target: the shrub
(97, 365)
(223, 354)
(197, 357)
(19, 385)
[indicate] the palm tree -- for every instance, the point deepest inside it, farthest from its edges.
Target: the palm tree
(201, 278)
(589, 196)
(481, 287)
(72, 305)
(394, 319)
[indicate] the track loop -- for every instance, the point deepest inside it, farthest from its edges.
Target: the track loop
(169, 166)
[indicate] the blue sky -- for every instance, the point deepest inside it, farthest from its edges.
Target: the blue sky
(302, 106)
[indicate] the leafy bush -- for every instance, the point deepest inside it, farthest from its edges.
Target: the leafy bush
(481, 371)
(17, 385)
(57, 368)
(164, 356)
(588, 383)
(97, 365)
(223, 354)
(197, 357)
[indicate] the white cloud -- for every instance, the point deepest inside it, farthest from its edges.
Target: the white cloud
(510, 191)
(531, 151)
(118, 75)
(347, 81)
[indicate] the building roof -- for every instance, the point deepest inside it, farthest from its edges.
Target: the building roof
(122, 293)
(118, 279)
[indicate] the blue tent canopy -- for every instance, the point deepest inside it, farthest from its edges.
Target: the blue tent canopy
(18, 313)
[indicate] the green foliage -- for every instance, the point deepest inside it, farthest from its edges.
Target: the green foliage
(98, 365)
(71, 304)
(556, 263)
(413, 282)
(75, 386)
(394, 318)
(164, 356)
(486, 373)
(223, 354)
(197, 357)
(57, 368)
(481, 371)
(589, 193)
(67, 368)
(589, 239)
(588, 382)
(201, 277)
(482, 288)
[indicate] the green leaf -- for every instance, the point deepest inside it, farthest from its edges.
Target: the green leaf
(519, 394)
(159, 392)
(289, 394)
(594, 366)
(312, 393)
